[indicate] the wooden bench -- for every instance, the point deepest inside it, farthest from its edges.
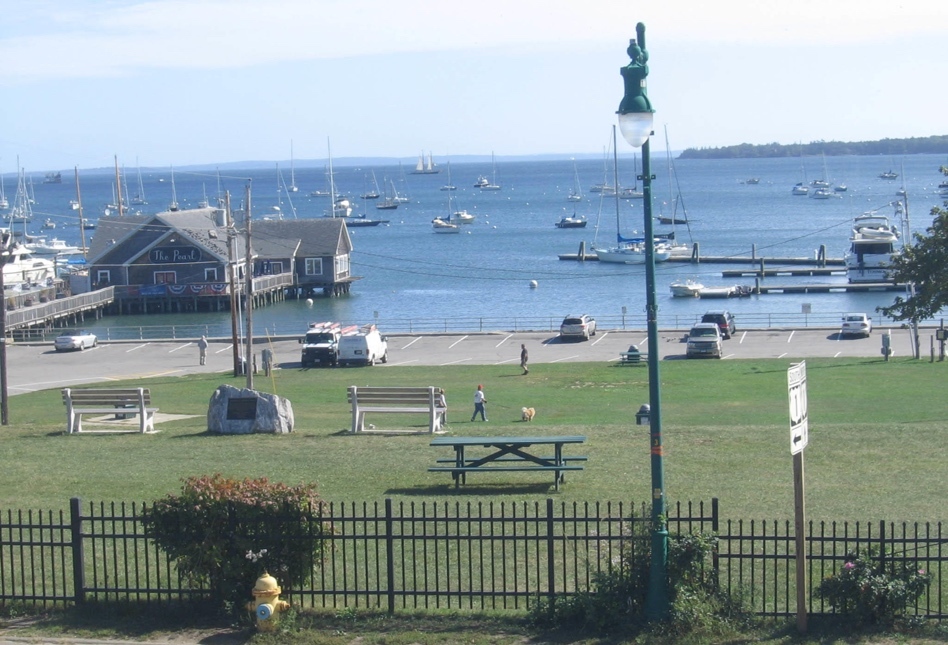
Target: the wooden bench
(413, 400)
(633, 357)
(122, 402)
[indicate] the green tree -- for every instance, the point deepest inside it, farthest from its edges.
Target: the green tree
(925, 265)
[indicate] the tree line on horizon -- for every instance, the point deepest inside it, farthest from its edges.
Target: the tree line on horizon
(913, 146)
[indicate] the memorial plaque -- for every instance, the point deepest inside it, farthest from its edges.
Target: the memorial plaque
(242, 409)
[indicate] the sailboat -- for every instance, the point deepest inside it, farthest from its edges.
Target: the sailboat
(139, 198)
(449, 185)
(444, 224)
(492, 185)
(425, 166)
(674, 194)
(576, 192)
(22, 211)
(4, 203)
(801, 188)
(373, 192)
(173, 206)
(634, 192)
(389, 203)
(292, 188)
(629, 250)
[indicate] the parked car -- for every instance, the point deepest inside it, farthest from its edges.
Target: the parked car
(856, 325)
(704, 339)
(578, 327)
(723, 319)
(75, 340)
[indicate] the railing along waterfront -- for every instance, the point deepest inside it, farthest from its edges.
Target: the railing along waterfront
(433, 325)
(457, 555)
(53, 309)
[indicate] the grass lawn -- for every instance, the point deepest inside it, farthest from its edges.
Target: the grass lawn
(877, 438)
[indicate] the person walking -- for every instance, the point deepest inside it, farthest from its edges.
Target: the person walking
(202, 349)
(523, 359)
(443, 404)
(480, 399)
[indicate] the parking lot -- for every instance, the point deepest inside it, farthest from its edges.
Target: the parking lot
(32, 367)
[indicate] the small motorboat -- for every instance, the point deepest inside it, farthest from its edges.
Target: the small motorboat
(685, 288)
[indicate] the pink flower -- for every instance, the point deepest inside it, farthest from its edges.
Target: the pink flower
(921, 572)
(849, 565)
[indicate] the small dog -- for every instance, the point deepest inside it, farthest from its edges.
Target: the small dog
(527, 414)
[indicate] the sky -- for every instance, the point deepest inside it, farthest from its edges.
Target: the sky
(180, 82)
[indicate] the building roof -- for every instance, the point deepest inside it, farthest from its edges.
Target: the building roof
(322, 236)
(122, 239)
(202, 226)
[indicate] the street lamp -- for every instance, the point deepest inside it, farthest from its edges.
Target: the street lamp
(636, 118)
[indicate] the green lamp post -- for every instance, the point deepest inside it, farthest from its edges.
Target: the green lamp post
(636, 118)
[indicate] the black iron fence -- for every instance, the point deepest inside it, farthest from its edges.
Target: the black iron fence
(485, 555)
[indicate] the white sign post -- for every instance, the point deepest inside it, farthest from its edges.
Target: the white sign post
(796, 382)
(796, 388)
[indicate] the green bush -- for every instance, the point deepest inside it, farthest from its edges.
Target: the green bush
(873, 590)
(616, 598)
(224, 533)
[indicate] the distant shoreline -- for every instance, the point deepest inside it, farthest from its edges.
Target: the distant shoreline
(937, 144)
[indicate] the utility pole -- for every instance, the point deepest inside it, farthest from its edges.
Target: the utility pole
(232, 271)
(249, 298)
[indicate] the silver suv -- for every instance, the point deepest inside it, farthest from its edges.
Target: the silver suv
(578, 327)
(704, 339)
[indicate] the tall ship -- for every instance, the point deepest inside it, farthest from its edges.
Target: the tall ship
(872, 246)
(425, 166)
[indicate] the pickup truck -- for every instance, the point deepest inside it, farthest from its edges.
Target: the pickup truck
(321, 344)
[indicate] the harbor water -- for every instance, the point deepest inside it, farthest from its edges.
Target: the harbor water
(483, 278)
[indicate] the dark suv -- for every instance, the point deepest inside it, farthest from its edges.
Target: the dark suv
(723, 319)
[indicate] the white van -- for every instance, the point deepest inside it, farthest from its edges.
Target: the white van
(366, 347)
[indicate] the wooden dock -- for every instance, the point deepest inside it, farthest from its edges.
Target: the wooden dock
(820, 265)
(850, 287)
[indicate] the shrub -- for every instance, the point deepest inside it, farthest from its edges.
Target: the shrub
(223, 533)
(617, 596)
(873, 590)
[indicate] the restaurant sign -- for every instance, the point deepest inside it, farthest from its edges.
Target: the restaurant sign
(174, 254)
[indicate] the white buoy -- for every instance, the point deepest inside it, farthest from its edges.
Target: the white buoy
(309, 302)
(533, 284)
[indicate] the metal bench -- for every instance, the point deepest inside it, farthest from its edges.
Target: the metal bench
(413, 400)
(122, 402)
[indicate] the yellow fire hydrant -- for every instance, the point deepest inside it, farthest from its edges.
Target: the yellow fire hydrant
(267, 604)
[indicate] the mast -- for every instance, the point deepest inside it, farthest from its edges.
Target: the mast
(82, 227)
(615, 179)
(292, 188)
(118, 191)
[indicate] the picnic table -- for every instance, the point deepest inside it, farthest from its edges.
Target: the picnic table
(507, 454)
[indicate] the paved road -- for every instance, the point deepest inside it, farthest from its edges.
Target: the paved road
(37, 367)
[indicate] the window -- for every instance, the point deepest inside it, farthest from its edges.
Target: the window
(342, 266)
(210, 275)
(276, 267)
(165, 277)
(103, 276)
(314, 266)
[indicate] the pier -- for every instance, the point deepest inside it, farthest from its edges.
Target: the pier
(26, 316)
(819, 265)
